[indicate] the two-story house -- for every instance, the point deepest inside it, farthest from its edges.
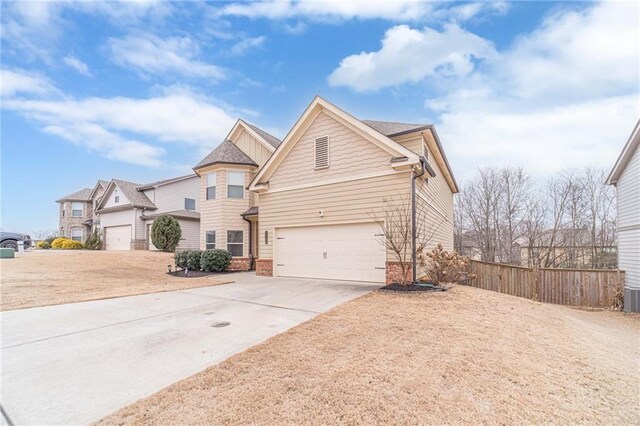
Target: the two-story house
(75, 212)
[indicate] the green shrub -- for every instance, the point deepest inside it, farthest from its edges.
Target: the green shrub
(93, 241)
(181, 258)
(193, 260)
(215, 260)
(166, 233)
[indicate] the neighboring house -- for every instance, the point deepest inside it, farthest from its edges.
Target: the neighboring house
(75, 212)
(96, 196)
(126, 211)
(625, 175)
(228, 212)
(317, 196)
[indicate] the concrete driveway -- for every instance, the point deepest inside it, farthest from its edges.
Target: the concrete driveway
(75, 363)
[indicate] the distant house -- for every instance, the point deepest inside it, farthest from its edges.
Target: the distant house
(625, 175)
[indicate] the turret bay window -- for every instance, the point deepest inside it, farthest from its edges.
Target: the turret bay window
(211, 185)
(210, 242)
(76, 209)
(235, 243)
(235, 184)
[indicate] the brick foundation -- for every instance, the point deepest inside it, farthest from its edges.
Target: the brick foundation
(394, 273)
(264, 267)
(239, 264)
(138, 244)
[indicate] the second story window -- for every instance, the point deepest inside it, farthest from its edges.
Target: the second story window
(64, 208)
(211, 185)
(235, 184)
(189, 204)
(76, 209)
(116, 196)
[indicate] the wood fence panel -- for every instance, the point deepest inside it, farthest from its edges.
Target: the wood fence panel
(574, 287)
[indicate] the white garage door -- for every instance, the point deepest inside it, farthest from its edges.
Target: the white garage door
(351, 252)
(118, 237)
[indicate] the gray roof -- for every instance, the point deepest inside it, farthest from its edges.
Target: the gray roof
(391, 128)
(165, 182)
(227, 153)
(136, 198)
(180, 214)
(82, 195)
(103, 183)
(251, 211)
(272, 140)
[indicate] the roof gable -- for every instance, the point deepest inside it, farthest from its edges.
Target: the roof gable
(625, 156)
(132, 197)
(317, 106)
(99, 184)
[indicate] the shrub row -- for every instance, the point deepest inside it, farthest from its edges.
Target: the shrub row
(43, 245)
(203, 260)
(66, 244)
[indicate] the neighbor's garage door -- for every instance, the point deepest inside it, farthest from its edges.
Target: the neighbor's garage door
(118, 237)
(351, 252)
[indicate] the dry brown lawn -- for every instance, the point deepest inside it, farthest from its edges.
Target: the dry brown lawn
(468, 356)
(51, 277)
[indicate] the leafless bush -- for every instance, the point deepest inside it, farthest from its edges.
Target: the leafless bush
(442, 266)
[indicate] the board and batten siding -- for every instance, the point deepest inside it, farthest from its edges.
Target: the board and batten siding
(344, 202)
(628, 197)
(250, 146)
(349, 154)
(171, 197)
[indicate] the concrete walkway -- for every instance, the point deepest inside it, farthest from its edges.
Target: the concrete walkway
(75, 363)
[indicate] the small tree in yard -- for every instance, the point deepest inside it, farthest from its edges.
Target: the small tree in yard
(166, 233)
(395, 224)
(93, 241)
(442, 266)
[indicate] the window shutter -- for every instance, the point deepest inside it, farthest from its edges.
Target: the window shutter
(322, 152)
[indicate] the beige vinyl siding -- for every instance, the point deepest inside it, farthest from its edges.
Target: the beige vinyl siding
(349, 154)
(123, 200)
(352, 201)
(223, 214)
(413, 143)
(628, 195)
(171, 197)
(253, 148)
(434, 203)
(119, 218)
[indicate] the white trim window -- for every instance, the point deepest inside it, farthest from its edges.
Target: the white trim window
(77, 234)
(235, 184)
(189, 203)
(211, 186)
(210, 240)
(77, 209)
(235, 243)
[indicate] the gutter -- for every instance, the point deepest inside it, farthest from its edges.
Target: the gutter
(250, 242)
(423, 170)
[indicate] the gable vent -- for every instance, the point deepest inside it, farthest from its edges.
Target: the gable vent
(322, 152)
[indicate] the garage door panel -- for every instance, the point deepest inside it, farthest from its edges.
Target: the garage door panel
(118, 237)
(344, 252)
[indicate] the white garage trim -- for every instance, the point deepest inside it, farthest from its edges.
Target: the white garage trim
(351, 251)
(117, 237)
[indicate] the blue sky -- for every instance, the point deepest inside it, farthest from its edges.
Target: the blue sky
(143, 90)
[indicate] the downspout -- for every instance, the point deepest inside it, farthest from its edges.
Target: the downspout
(250, 242)
(414, 237)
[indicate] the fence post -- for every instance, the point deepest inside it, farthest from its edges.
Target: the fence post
(535, 283)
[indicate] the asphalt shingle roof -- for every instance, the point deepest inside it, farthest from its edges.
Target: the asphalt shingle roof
(390, 128)
(251, 211)
(180, 214)
(272, 140)
(164, 182)
(136, 198)
(228, 153)
(82, 195)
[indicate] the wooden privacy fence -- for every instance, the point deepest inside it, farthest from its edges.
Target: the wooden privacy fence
(575, 287)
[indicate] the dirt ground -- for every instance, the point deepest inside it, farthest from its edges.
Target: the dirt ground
(467, 356)
(51, 277)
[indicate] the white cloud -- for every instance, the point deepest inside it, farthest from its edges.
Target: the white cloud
(242, 46)
(154, 55)
(114, 127)
(77, 65)
(409, 55)
(14, 82)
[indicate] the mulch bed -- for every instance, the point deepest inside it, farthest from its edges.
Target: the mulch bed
(192, 274)
(413, 287)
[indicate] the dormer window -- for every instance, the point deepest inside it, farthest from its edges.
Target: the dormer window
(321, 148)
(116, 198)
